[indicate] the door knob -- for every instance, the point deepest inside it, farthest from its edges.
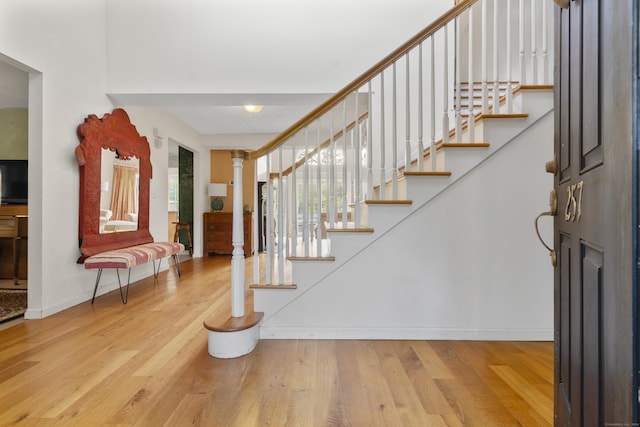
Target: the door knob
(553, 209)
(552, 166)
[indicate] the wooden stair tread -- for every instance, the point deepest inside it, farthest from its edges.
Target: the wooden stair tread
(233, 324)
(312, 258)
(388, 202)
(466, 145)
(536, 87)
(505, 116)
(350, 230)
(222, 321)
(437, 173)
(279, 287)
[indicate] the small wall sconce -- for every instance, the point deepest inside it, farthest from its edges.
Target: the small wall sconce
(217, 190)
(157, 137)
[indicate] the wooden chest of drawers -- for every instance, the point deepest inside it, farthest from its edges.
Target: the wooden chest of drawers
(218, 233)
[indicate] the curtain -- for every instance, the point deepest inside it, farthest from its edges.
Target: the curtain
(124, 198)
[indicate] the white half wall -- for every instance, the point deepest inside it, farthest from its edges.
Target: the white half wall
(467, 265)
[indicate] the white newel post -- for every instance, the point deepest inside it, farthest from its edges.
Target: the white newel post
(226, 342)
(237, 260)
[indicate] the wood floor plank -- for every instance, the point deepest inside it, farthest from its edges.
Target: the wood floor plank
(405, 398)
(432, 400)
(536, 399)
(146, 363)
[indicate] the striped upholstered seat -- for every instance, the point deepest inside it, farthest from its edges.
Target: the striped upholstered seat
(134, 255)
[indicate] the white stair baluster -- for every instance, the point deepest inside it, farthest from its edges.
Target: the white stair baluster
(394, 126)
(471, 123)
(332, 176)
(458, 97)
(420, 113)
(382, 141)
(256, 220)
(268, 229)
(534, 44)
(318, 218)
(496, 74)
(345, 164)
(485, 63)
(357, 157)
(280, 223)
(287, 218)
(294, 200)
(306, 235)
(545, 43)
(328, 167)
(432, 111)
(407, 148)
(523, 70)
(509, 64)
(370, 144)
(445, 85)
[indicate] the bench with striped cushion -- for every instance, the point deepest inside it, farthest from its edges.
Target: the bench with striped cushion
(132, 256)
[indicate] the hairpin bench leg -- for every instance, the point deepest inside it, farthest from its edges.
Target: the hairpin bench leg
(176, 261)
(125, 297)
(96, 287)
(156, 272)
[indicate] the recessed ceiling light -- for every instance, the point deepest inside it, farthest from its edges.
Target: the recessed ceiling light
(252, 108)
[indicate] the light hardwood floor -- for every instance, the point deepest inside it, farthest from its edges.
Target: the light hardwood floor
(146, 363)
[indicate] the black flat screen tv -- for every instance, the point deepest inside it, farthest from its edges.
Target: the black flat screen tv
(15, 178)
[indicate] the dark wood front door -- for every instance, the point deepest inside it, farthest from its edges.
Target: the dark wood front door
(594, 226)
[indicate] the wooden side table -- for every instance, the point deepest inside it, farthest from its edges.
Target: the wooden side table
(218, 233)
(16, 228)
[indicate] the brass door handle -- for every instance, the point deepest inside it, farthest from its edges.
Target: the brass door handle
(553, 209)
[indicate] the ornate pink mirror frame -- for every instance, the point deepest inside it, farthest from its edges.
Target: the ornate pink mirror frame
(116, 133)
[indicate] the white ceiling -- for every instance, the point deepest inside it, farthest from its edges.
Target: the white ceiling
(208, 114)
(223, 113)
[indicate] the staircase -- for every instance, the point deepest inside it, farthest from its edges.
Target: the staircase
(402, 208)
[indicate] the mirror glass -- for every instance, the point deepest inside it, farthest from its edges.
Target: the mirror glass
(119, 193)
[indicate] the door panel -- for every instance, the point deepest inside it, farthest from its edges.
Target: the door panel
(562, 96)
(591, 153)
(592, 318)
(594, 288)
(563, 331)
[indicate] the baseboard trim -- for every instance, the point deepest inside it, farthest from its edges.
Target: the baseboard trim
(277, 332)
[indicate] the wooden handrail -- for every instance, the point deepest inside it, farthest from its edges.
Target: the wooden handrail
(365, 77)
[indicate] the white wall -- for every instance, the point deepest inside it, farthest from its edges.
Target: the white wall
(61, 44)
(145, 120)
(253, 46)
